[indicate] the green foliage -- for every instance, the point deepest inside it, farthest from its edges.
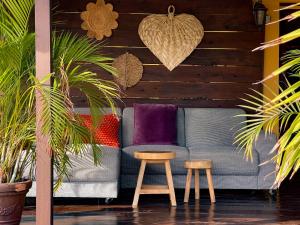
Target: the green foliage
(284, 107)
(71, 54)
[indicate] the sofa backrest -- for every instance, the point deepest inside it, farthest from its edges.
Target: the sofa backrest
(105, 110)
(211, 126)
(128, 127)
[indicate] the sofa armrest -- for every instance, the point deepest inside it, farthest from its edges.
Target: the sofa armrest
(264, 146)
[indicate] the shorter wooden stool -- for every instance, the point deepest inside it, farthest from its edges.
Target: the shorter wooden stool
(197, 165)
(154, 157)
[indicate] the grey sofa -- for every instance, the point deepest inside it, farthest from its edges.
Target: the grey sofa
(202, 133)
(87, 180)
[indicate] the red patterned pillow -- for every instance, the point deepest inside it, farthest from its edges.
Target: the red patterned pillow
(107, 131)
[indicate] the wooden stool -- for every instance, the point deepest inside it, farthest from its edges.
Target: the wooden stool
(154, 157)
(197, 165)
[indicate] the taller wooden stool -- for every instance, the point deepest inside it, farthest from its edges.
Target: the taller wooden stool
(154, 157)
(196, 165)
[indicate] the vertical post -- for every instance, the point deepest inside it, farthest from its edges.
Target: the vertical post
(271, 55)
(44, 162)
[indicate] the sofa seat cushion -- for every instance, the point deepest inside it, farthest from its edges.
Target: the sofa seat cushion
(227, 160)
(130, 165)
(84, 170)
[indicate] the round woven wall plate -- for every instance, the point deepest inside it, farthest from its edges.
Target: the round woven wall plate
(171, 38)
(99, 19)
(129, 70)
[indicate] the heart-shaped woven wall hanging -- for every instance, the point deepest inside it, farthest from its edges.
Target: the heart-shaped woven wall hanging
(171, 38)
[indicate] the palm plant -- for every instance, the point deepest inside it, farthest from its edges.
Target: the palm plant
(284, 107)
(17, 94)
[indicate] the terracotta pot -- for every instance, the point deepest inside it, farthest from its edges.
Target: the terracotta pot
(12, 197)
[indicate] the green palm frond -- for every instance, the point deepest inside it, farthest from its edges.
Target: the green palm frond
(17, 131)
(289, 6)
(14, 18)
(283, 107)
(59, 118)
(65, 133)
(268, 112)
(71, 54)
(79, 50)
(291, 62)
(292, 58)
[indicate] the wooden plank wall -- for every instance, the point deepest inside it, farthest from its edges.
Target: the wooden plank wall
(216, 74)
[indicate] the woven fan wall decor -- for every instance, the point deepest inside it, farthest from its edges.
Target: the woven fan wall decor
(99, 19)
(129, 70)
(171, 38)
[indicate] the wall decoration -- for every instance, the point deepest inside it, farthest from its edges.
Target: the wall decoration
(199, 83)
(99, 19)
(171, 38)
(129, 69)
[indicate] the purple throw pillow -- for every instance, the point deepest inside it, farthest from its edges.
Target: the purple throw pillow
(155, 124)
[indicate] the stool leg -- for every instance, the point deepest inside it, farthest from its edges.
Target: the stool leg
(210, 185)
(139, 184)
(188, 185)
(170, 183)
(197, 185)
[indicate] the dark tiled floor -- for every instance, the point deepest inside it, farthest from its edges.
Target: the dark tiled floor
(232, 207)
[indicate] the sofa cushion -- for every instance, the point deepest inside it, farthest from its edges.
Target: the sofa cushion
(227, 160)
(107, 130)
(208, 126)
(104, 111)
(155, 124)
(84, 170)
(128, 127)
(130, 165)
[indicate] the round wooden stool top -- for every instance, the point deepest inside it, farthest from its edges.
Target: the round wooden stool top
(198, 164)
(154, 155)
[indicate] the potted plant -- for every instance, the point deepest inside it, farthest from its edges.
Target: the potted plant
(17, 103)
(284, 107)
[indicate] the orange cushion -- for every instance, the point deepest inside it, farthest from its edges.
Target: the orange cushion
(106, 132)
